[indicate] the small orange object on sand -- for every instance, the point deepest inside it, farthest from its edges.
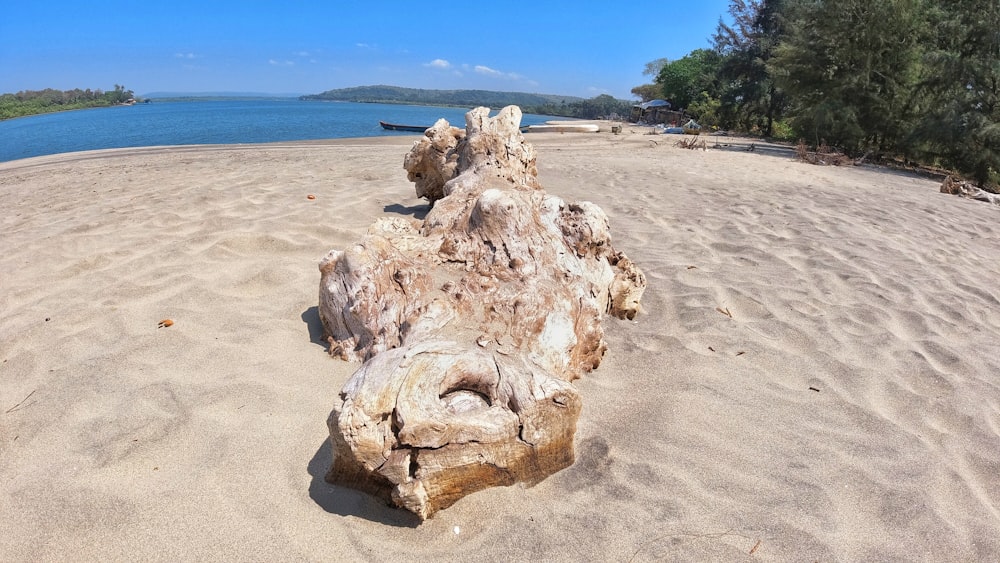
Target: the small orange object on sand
(165, 323)
(310, 196)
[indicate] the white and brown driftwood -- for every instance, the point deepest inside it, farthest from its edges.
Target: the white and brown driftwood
(471, 325)
(959, 187)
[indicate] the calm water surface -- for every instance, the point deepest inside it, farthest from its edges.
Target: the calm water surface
(211, 122)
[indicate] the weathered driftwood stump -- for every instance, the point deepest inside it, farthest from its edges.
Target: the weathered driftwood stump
(470, 325)
(957, 186)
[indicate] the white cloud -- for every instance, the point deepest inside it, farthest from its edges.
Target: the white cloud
(280, 63)
(487, 71)
(186, 56)
(439, 63)
(302, 54)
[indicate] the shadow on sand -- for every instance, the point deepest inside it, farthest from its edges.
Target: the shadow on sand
(417, 211)
(751, 145)
(348, 502)
(311, 317)
(334, 498)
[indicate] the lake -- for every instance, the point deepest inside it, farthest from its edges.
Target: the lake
(212, 122)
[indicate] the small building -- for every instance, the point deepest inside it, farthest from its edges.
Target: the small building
(655, 111)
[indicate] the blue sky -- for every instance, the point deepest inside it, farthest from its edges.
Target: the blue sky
(574, 48)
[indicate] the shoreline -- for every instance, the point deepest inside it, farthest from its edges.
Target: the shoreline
(733, 143)
(75, 156)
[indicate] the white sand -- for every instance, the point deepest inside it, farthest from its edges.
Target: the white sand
(849, 410)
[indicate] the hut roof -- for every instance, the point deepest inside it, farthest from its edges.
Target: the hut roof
(654, 104)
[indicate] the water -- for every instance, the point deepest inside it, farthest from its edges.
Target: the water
(211, 122)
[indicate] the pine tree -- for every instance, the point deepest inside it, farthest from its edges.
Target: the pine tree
(750, 98)
(849, 68)
(962, 80)
(682, 81)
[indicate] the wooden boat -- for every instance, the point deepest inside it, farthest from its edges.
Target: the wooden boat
(409, 128)
(564, 127)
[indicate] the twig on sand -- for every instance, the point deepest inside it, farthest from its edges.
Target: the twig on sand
(724, 311)
(755, 546)
(19, 405)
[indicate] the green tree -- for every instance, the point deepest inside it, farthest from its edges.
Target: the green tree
(749, 97)
(119, 96)
(850, 68)
(603, 106)
(31, 102)
(683, 80)
(961, 127)
(705, 109)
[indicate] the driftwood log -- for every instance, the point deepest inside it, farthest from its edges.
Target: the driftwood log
(692, 143)
(824, 155)
(957, 186)
(471, 325)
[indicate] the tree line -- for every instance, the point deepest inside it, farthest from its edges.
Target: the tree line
(541, 104)
(911, 79)
(599, 107)
(459, 98)
(31, 102)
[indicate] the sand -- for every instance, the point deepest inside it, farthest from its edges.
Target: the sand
(816, 376)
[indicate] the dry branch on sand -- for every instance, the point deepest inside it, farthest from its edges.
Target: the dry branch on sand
(692, 143)
(823, 155)
(471, 325)
(956, 186)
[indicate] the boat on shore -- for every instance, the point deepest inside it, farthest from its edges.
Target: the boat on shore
(564, 127)
(408, 128)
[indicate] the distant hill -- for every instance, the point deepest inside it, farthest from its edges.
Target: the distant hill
(462, 98)
(541, 104)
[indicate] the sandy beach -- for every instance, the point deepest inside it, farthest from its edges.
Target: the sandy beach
(815, 377)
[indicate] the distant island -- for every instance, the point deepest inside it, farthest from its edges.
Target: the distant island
(33, 102)
(543, 104)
